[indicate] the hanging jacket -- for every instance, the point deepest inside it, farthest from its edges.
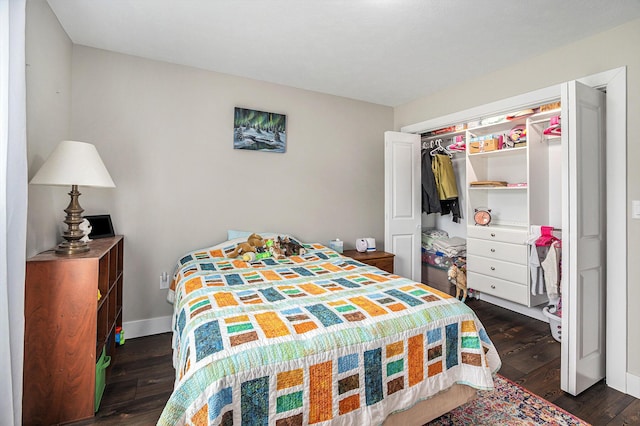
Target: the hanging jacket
(453, 207)
(535, 268)
(430, 199)
(447, 186)
(445, 177)
(551, 266)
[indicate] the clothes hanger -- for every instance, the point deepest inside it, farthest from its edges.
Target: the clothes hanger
(547, 238)
(554, 128)
(439, 148)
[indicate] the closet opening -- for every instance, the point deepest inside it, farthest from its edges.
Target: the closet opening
(507, 175)
(606, 213)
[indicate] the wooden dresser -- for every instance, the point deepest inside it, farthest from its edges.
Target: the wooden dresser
(379, 259)
(66, 328)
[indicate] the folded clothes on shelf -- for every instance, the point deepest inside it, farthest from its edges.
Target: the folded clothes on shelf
(452, 247)
(488, 183)
(430, 235)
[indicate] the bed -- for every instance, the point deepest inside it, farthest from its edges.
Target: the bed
(317, 338)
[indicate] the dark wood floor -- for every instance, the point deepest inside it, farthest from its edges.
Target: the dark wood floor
(142, 377)
(531, 358)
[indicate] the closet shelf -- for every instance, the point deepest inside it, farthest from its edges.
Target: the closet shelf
(448, 135)
(497, 188)
(543, 117)
(501, 152)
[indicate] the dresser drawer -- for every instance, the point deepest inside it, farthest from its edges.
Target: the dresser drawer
(494, 233)
(497, 287)
(507, 252)
(385, 264)
(379, 259)
(515, 272)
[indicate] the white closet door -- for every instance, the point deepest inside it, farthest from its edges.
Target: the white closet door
(402, 203)
(584, 237)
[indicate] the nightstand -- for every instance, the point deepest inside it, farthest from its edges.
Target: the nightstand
(379, 259)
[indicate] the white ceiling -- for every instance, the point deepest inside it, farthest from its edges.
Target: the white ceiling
(384, 51)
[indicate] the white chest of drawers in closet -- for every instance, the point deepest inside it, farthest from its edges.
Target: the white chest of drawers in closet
(498, 254)
(497, 263)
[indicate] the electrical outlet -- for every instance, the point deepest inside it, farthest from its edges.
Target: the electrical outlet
(635, 209)
(164, 281)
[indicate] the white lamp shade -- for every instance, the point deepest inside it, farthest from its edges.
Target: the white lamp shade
(74, 163)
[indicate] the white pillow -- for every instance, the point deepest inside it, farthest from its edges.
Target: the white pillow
(233, 234)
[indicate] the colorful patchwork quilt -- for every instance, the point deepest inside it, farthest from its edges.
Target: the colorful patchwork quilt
(313, 339)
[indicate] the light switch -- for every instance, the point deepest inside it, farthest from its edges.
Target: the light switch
(635, 209)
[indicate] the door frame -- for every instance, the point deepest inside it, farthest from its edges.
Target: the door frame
(614, 82)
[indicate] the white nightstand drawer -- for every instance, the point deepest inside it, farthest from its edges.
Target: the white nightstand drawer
(507, 252)
(515, 272)
(496, 287)
(495, 233)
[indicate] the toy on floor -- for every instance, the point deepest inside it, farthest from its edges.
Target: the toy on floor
(119, 336)
(458, 277)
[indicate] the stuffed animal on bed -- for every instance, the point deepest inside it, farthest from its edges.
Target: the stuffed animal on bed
(275, 248)
(255, 244)
(291, 248)
(284, 247)
(251, 256)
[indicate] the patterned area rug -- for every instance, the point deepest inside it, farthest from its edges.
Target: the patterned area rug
(508, 404)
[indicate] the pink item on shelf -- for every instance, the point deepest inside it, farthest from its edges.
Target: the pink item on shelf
(554, 128)
(517, 185)
(457, 144)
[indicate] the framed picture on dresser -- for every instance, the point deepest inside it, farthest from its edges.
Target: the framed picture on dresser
(101, 226)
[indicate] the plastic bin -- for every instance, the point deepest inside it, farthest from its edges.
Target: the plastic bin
(555, 323)
(437, 259)
(101, 376)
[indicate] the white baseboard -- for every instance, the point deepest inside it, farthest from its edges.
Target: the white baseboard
(146, 327)
(633, 385)
(535, 313)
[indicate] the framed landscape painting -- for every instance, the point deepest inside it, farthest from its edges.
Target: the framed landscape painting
(259, 130)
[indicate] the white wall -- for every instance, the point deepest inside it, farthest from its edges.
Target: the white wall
(608, 50)
(165, 133)
(48, 57)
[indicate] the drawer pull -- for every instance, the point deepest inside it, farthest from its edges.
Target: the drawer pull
(493, 268)
(493, 250)
(493, 286)
(493, 235)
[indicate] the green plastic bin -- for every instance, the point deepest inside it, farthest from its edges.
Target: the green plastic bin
(101, 374)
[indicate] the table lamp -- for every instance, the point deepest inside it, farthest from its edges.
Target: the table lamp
(73, 163)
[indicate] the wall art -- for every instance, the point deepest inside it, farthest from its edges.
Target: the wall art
(259, 130)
